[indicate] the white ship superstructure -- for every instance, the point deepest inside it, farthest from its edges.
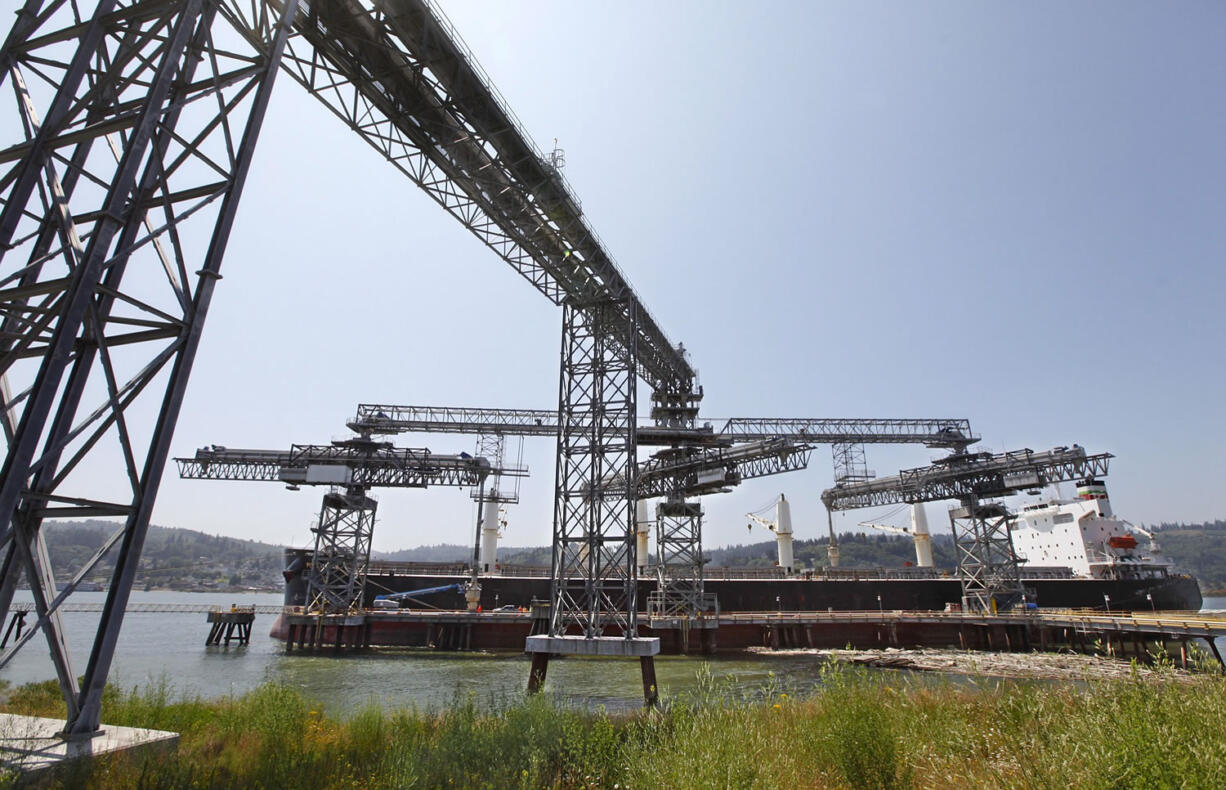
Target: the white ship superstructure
(1083, 535)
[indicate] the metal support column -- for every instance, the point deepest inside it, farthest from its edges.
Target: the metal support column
(987, 565)
(594, 574)
(679, 572)
(117, 202)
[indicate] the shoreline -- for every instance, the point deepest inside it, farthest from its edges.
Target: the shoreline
(1033, 665)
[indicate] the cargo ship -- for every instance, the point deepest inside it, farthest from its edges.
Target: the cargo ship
(1072, 554)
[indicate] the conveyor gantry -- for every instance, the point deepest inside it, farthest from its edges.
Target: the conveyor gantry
(374, 464)
(710, 459)
(972, 475)
(987, 564)
(130, 140)
(952, 433)
(134, 127)
(712, 470)
(337, 576)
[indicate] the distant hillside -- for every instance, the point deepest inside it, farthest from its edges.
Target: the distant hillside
(855, 551)
(451, 552)
(1198, 549)
(172, 557)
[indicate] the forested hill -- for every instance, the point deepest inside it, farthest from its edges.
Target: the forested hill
(452, 552)
(1198, 549)
(856, 550)
(172, 557)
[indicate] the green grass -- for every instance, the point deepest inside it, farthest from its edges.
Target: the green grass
(860, 730)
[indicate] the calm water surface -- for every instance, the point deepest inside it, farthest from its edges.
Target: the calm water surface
(168, 647)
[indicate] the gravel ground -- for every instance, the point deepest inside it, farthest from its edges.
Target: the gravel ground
(1059, 666)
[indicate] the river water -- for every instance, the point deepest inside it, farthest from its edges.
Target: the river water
(169, 648)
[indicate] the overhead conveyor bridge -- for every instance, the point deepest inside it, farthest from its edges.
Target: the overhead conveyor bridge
(400, 77)
(951, 433)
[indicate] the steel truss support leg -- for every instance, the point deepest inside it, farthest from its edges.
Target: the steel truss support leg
(134, 136)
(679, 590)
(594, 574)
(679, 547)
(987, 564)
(342, 552)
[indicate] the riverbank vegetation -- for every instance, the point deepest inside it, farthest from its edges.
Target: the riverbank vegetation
(860, 730)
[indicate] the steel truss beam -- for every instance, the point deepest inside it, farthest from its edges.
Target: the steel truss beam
(987, 564)
(355, 462)
(347, 516)
(948, 432)
(400, 77)
(594, 573)
(980, 475)
(120, 177)
(389, 419)
(710, 471)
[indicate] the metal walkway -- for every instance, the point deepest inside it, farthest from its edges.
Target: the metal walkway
(168, 608)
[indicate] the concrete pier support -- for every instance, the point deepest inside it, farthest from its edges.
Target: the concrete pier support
(542, 648)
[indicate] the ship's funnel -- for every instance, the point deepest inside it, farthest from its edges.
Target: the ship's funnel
(1095, 490)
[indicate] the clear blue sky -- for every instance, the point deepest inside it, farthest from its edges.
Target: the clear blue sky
(1010, 212)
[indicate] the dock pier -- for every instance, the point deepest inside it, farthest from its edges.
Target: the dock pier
(1117, 634)
(228, 624)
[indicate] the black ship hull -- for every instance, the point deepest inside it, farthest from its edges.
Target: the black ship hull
(854, 590)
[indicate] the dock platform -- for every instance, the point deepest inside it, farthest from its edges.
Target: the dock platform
(233, 623)
(1042, 630)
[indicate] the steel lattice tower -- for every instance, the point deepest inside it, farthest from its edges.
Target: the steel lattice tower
(594, 573)
(680, 564)
(342, 551)
(135, 131)
(987, 564)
